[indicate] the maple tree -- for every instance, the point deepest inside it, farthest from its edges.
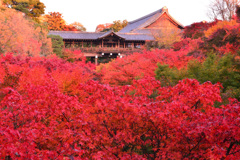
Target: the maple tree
(78, 26)
(141, 121)
(223, 37)
(115, 26)
(66, 108)
(27, 39)
(196, 30)
(103, 27)
(55, 21)
(135, 66)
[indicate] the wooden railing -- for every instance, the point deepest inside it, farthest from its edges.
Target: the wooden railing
(109, 50)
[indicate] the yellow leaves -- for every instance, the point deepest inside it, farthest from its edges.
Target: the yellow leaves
(166, 37)
(219, 25)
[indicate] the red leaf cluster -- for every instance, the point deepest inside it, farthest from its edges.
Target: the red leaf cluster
(45, 116)
(124, 71)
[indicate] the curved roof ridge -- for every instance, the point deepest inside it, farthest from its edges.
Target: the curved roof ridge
(109, 33)
(175, 20)
(132, 33)
(150, 21)
(146, 16)
(155, 17)
(84, 32)
(147, 20)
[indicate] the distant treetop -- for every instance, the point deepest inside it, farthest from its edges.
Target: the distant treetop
(32, 8)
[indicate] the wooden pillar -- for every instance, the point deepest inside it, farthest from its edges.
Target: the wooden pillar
(118, 44)
(91, 44)
(73, 44)
(124, 45)
(82, 44)
(96, 58)
(132, 45)
(102, 43)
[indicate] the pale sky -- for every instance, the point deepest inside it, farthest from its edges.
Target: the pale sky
(93, 12)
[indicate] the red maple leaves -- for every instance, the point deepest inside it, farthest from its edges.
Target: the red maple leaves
(40, 120)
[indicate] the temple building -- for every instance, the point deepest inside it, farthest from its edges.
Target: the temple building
(128, 40)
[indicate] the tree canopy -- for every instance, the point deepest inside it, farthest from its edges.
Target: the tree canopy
(20, 36)
(103, 27)
(115, 26)
(55, 21)
(78, 26)
(118, 25)
(32, 8)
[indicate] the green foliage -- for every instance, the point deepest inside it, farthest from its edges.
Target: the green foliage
(215, 69)
(57, 44)
(118, 25)
(169, 76)
(32, 8)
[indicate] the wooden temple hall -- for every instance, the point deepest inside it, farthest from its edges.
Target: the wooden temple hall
(108, 45)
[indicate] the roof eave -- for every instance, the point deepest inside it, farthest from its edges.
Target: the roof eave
(103, 36)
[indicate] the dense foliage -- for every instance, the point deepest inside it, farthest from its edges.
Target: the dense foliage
(215, 69)
(56, 22)
(124, 71)
(115, 26)
(57, 44)
(32, 8)
(28, 39)
(177, 103)
(59, 116)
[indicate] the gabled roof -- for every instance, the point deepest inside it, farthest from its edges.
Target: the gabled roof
(110, 33)
(147, 20)
(76, 35)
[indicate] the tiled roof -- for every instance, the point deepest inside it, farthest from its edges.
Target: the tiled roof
(136, 37)
(134, 31)
(138, 24)
(96, 35)
(110, 32)
(77, 34)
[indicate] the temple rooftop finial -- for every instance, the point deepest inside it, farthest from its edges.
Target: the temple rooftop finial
(165, 9)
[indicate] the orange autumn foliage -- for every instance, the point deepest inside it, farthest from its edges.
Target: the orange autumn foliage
(19, 36)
